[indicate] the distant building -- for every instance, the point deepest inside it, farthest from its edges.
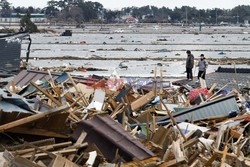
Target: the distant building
(132, 20)
(16, 17)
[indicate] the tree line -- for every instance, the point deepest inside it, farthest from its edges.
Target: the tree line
(80, 11)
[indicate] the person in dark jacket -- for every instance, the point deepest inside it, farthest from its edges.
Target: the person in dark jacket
(189, 65)
(202, 67)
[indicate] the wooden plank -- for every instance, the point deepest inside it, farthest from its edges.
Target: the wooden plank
(195, 163)
(46, 93)
(190, 142)
(118, 109)
(142, 101)
(145, 162)
(142, 118)
(219, 136)
(235, 133)
(69, 164)
(45, 155)
(22, 162)
(41, 164)
(211, 160)
(78, 142)
(172, 163)
(161, 135)
(47, 148)
(223, 156)
(13, 86)
(37, 132)
(59, 161)
(173, 120)
(193, 158)
(31, 118)
(79, 93)
(38, 143)
(228, 155)
(112, 103)
(179, 156)
(212, 88)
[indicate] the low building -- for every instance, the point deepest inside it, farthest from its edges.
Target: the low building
(16, 17)
(132, 20)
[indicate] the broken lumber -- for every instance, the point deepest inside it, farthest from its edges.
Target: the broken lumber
(31, 118)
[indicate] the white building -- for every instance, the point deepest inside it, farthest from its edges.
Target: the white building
(16, 17)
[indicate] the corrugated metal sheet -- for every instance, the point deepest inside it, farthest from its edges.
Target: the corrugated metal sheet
(109, 136)
(232, 70)
(15, 100)
(25, 77)
(222, 78)
(217, 108)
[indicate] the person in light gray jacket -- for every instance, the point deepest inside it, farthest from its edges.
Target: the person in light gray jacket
(202, 67)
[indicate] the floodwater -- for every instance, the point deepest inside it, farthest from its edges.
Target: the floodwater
(129, 46)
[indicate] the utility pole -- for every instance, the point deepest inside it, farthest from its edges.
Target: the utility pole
(237, 18)
(216, 16)
(200, 19)
(186, 16)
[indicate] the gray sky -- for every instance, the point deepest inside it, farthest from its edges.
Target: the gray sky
(117, 4)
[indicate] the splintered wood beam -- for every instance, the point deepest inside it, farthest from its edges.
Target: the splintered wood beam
(79, 93)
(46, 93)
(31, 118)
(173, 120)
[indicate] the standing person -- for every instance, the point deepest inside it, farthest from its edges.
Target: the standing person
(202, 67)
(189, 65)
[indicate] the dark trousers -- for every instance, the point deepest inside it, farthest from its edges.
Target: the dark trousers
(202, 74)
(189, 73)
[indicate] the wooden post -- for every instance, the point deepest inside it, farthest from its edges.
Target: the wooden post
(161, 89)
(85, 102)
(52, 80)
(223, 156)
(155, 81)
(13, 86)
(154, 123)
(46, 93)
(173, 120)
(147, 127)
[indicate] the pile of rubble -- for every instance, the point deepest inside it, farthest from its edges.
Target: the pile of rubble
(59, 120)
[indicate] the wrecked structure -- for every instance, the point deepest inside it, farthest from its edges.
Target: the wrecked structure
(55, 119)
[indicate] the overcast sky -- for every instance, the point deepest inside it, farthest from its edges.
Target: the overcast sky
(118, 4)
